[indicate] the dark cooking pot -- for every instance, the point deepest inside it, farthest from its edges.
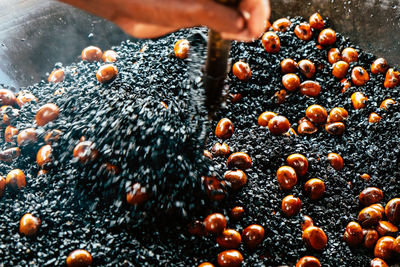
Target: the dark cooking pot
(35, 34)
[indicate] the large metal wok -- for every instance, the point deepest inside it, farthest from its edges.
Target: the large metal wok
(35, 34)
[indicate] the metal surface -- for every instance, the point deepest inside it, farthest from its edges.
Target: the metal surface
(35, 34)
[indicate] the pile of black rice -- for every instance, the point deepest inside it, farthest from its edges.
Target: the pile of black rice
(84, 207)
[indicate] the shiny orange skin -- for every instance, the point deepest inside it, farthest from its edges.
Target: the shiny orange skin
(207, 154)
(369, 217)
(110, 169)
(56, 76)
(106, 73)
(44, 155)
(287, 177)
(9, 154)
(278, 125)
(215, 223)
(346, 85)
(27, 137)
(137, 195)
(384, 248)
(237, 213)
(229, 239)
(392, 78)
(52, 136)
(9, 133)
(205, 264)
(196, 228)
(380, 65)
(349, 55)
(359, 76)
(214, 188)
(334, 55)
(365, 176)
(280, 96)
(327, 37)
(91, 53)
(316, 22)
(265, 117)
(308, 261)
(3, 184)
(315, 188)
(181, 48)
(7, 97)
(359, 100)
(315, 238)
(291, 82)
(42, 172)
(386, 103)
(291, 205)
(353, 235)
(306, 127)
(307, 68)
(338, 115)
(239, 160)
(374, 118)
(378, 207)
(85, 152)
(339, 69)
(307, 222)
(392, 211)
(241, 70)
(281, 25)
(230, 258)
(335, 128)
(253, 235)
(291, 132)
(224, 129)
(288, 65)
(24, 97)
(336, 161)
(46, 114)
(237, 178)
(29, 225)
(377, 262)
(79, 258)
(396, 245)
(370, 195)
(386, 228)
(9, 113)
(371, 236)
(316, 114)
(299, 163)
(235, 98)
(15, 179)
(271, 42)
(310, 88)
(220, 149)
(109, 56)
(303, 31)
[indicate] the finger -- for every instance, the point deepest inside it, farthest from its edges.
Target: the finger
(241, 37)
(141, 30)
(183, 14)
(255, 12)
(220, 18)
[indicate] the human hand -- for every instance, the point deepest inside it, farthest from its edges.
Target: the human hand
(155, 18)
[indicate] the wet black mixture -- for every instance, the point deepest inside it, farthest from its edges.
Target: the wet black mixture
(83, 206)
